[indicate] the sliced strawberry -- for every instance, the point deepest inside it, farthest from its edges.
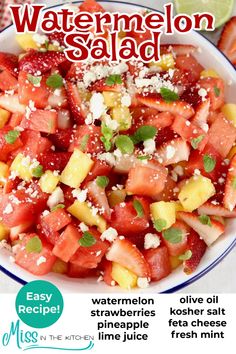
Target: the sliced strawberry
(155, 101)
(98, 197)
(77, 107)
(125, 253)
(229, 199)
(208, 233)
(173, 152)
(41, 120)
(100, 86)
(28, 92)
(177, 49)
(176, 249)
(9, 62)
(7, 81)
(215, 91)
(190, 132)
(62, 138)
(58, 101)
(216, 210)
(58, 37)
(201, 115)
(35, 62)
(11, 103)
(91, 6)
(198, 247)
(227, 40)
(222, 135)
(17, 230)
(159, 262)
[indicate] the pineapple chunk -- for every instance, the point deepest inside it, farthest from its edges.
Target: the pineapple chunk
(84, 213)
(116, 197)
(166, 62)
(76, 169)
(231, 153)
(53, 48)
(60, 267)
(195, 192)
(123, 116)
(124, 277)
(4, 116)
(25, 41)
(209, 73)
(229, 111)
(22, 166)
(48, 182)
(175, 262)
(4, 232)
(112, 99)
(178, 206)
(165, 211)
(3, 172)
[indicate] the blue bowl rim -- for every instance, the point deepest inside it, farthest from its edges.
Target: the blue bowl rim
(231, 246)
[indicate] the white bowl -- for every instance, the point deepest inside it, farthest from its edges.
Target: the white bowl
(208, 56)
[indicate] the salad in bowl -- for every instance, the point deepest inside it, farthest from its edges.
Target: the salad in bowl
(123, 173)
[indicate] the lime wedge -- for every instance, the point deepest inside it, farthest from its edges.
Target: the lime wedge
(221, 9)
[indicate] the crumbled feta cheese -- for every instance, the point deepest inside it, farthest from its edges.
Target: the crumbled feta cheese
(113, 283)
(40, 39)
(117, 153)
(83, 227)
(55, 198)
(100, 278)
(108, 157)
(170, 152)
(126, 100)
(202, 93)
(45, 212)
(151, 241)
(110, 234)
(79, 194)
(143, 283)
(119, 69)
(97, 107)
(197, 172)
(8, 209)
(149, 146)
(41, 260)
(111, 123)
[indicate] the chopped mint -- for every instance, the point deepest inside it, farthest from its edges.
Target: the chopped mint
(12, 136)
(34, 245)
(209, 163)
(159, 224)
(102, 181)
(168, 95)
(113, 80)
(138, 208)
(173, 235)
(124, 144)
(87, 240)
(55, 81)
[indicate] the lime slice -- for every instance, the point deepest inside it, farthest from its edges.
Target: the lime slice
(221, 9)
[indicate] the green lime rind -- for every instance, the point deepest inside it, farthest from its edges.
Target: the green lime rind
(221, 9)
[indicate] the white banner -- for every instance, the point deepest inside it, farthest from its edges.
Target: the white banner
(125, 323)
